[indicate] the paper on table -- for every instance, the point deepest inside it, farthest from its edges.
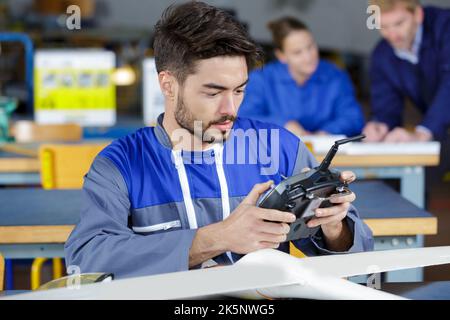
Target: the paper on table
(321, 145)
(406, 148)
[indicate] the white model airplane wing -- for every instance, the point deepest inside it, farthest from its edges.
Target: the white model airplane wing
(350, 265)
(325, 272)
(266, 273)
(177, 285)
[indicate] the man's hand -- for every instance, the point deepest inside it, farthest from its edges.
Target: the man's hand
(423, 135)
(375, 131)
(247, 229)
(402, 135)
(250, 228)
(337, 235)
(296, 128)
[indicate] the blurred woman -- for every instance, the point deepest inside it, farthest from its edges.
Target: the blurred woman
(299, 91)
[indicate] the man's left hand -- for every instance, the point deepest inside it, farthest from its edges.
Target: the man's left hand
(402, 135)
(336, 232)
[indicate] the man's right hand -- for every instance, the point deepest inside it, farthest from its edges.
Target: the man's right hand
(250, 228)
(247, 229)
(375, 131)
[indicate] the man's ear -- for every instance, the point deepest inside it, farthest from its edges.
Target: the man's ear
(280, 55)
(167, 84)
(419, 15)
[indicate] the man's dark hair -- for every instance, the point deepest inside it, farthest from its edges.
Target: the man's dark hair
(194, 31)
(282, 27)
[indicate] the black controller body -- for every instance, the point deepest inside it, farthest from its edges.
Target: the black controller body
(302, 194)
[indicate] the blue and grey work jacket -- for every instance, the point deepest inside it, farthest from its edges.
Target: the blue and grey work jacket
(143, 201)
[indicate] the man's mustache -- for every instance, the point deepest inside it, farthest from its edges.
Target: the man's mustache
(223, 119)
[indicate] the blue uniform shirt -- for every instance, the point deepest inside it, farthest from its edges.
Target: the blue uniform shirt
(325, 102)
(426, 83)
(144, 202)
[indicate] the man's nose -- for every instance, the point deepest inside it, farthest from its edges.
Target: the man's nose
(228, 105)
(393, 35)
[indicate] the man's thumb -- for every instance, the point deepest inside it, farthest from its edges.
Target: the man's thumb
(257, 191)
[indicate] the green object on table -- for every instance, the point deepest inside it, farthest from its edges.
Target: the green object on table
(7, 106)
(76, 280)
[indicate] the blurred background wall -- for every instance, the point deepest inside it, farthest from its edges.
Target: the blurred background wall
(337, 24)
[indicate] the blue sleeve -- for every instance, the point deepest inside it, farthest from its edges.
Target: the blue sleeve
(387, 101)
(313, 246)
(437, 117)
(348, 118)
(103, 240)
(255, 105)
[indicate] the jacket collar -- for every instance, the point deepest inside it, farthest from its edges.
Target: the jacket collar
(161, 133)
(164, 139)
(319, 75)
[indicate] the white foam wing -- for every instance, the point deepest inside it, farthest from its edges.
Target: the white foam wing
(377, 261)
(265, 273)
(178, 285)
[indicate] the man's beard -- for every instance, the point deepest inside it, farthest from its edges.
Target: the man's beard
(185, 120)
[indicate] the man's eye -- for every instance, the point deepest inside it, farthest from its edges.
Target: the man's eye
(212, 94)
(398, 24)
(241, 91)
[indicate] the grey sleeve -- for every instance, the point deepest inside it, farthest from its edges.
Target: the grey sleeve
(303, 159)
(103, 240)
(362, 235)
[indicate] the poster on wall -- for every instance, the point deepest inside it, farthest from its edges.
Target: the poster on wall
(153, 97)
(74, 86)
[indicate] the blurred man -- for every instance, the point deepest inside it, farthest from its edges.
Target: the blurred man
(412, 61)
(304, 94)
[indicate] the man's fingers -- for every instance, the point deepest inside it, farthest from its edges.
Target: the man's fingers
(382, 129)
(372, 137)
(342, 199)
(257, 191)
(393, 136)
(268, 245)
(390, 138)
(375, 131)
(326, 220)
(277, 216)
(398, 135)
(332, 211)
(273, 228)
(268, 237)
(371, 130)
(347, 176)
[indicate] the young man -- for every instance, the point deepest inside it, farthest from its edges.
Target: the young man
(299, 91)
(413, 61)
(173, 197)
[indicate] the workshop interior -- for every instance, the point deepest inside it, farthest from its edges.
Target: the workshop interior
(80, 79)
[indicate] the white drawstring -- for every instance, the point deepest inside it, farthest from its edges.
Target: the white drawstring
(182, 176)
(218, 155)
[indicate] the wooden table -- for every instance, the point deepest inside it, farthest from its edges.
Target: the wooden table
(409, 169)
(36, 222)
(19, 165)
